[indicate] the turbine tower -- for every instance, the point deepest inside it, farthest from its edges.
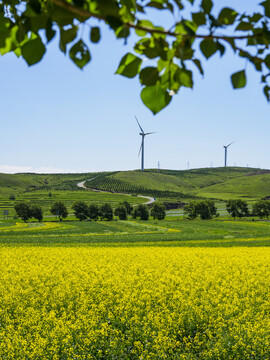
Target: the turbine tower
(143, 134)
(225, 147)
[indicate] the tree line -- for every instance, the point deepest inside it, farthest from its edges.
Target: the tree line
(83, 211)
(237, 208)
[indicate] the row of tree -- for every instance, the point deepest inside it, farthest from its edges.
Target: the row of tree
(105, 212)
(236, 208)
(82, 211)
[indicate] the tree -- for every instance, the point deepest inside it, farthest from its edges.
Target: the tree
(121, 212)
(12, 197)
(93, 211)
(106, 212)
(197, 30)
(59, 209)
(23, 211)
(237, 208)
(261, 208)
(141, 211)
(36, 212)
(206, 209)
(190, 210)
(158, 211)
(127, 205)
(80, 210)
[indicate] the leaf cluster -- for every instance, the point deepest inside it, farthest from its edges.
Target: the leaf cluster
(196, 32)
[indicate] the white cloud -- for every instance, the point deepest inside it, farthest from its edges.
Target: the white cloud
(12, 169)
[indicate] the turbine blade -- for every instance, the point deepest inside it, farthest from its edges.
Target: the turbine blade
(231, 143)
(140, 150)
(150, 133)
(139, 124)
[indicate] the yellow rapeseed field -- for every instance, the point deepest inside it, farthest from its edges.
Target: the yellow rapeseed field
(134, 303)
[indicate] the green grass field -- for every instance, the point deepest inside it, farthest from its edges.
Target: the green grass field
(173, 231)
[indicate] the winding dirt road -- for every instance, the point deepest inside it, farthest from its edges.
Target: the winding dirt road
(82, 185)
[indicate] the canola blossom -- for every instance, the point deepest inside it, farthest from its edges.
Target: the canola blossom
(134, 303)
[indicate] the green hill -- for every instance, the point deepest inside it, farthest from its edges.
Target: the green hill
(216, 183)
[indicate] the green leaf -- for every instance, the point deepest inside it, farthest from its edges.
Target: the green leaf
(267, 61)
(8, 41)
(266, 91)
(221, 48)
(50, 32)
(155, 98)
(143, 23)
(80, 54)
(149, 76)
(199, 18)
(185, 78)
(95, 34)
(227, 16)
(67, 36)
(244, 26)
(199, 66)
(129, 66)
(239, 79)
(207, 5)
(266, 5)
(33, 51)
(208, 47)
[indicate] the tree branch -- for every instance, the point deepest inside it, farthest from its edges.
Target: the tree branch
(87, 14)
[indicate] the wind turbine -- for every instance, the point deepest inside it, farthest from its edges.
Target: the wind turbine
(225, 147)
(143, 134)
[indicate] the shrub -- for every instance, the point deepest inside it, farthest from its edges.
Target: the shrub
(158, 211)
(12, 197)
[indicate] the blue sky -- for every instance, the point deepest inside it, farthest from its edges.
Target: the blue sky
(56, 118)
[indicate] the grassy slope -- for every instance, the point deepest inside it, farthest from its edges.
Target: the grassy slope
(219, 183)
(255, 186)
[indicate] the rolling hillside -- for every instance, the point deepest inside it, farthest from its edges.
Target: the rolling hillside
(215, 183)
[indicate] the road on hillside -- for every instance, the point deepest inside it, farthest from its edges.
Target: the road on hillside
(81, 184)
